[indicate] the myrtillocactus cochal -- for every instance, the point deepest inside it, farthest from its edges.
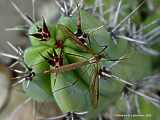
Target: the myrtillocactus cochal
(79, 61)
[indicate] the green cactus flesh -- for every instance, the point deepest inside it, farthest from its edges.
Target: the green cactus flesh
(77, 97)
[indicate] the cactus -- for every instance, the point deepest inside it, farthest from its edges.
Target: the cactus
(84, 62)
